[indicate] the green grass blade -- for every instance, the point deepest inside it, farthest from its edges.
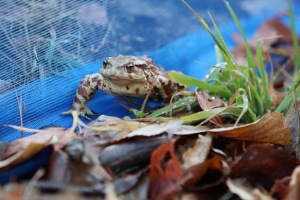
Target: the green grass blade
(178, 104)
(226, 54)
(201, 115)
(190, 81)
(257, 103)
(248, 49)
(201, 20)
(287, 103)
(264, 78)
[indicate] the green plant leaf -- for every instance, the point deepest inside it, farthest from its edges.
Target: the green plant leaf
(190, 81)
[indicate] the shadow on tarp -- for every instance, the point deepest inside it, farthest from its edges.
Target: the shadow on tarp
(45, 99)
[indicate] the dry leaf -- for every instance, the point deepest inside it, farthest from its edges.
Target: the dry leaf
(211, 169)
(206, 103)
(139, 191)
(45, 136)
(21, 149)
(262, 164)
(154, 129)
(294, 186)
(21, 155)
(130, 153)
(279, 189)
(105, 124)
(164, 181)
(199, 152)
(246, 191)
(271, 128)
(275, 32)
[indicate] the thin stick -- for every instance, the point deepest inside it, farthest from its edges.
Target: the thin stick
(19, 100)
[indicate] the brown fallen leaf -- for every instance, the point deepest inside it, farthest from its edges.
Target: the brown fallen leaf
(275, 96)
(274, 30)
(154, 129)
(3, 147)
(164, 181)
(111, 128)
(139, 191)
(21, 155)
(211, 169)
(280, 187)
(130, 153)
(21, 149)
(40, 137)
(206, 103)
(262, 164)
(199, 152)
(271, 128)
(294, 185)
(245, 191)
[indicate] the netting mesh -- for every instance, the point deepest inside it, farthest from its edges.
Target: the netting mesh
(48, 46)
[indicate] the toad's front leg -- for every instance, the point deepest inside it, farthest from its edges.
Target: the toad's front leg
(87, 88)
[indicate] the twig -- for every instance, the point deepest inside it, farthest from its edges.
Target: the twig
(32, 184)
(19, 100)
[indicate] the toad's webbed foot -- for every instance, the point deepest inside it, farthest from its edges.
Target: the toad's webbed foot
(83, 112)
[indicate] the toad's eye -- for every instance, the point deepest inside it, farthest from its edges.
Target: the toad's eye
(129, 68)
(104, 63)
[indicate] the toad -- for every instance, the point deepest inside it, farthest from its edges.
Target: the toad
(132, 76)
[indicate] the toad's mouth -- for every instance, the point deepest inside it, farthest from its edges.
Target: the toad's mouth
(124, 80)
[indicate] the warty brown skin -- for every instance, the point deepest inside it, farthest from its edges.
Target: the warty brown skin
(133, 76)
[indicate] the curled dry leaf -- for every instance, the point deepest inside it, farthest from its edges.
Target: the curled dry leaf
(130, 153)
(21, 149)
(140, 190)
(108, 124)
(211, 169)
(271, 128)
(110, 193)
(262, 164)
(45, 137)
(275, 96)
(206, 103)
(280, 187)
(275, 32)
(126, 183)
(199, 152)
(164, 181)
(294, 185)
(111, 128)
(246, 191)
(154, 129)
(21, 155)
